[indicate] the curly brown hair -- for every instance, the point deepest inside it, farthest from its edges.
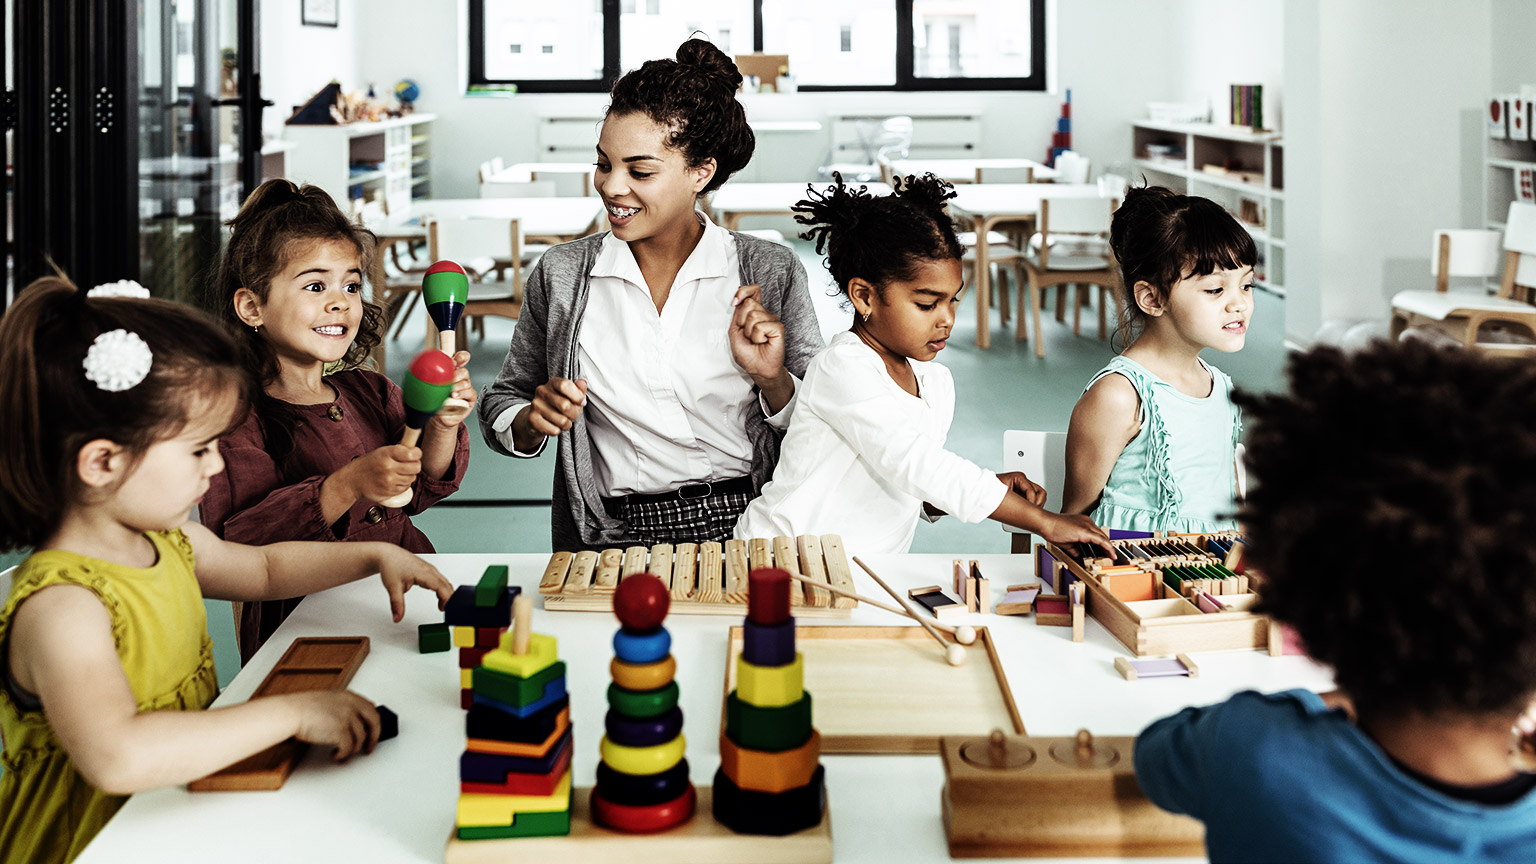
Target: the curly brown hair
(880, 239)
(694, 98)
(1394, 515)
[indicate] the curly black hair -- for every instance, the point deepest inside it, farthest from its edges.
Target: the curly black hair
(880, 239)
(694, 97)
(1394, 516)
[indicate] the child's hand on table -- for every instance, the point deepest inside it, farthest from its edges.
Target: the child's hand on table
(402, 571)
(336, 718)
(1061, 528)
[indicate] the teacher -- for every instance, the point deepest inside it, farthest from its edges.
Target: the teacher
(663, 355)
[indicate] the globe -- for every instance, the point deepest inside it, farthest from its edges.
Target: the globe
(407, 90)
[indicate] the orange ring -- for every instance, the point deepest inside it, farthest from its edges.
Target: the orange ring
(643, 676)
(770, 772)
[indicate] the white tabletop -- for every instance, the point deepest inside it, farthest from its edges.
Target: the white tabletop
(397, 804)
(522, 172)
(968, 170)
(990, 200)
(735, 200)
(540, 217)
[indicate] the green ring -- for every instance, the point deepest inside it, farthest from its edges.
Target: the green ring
(768, 730)
(643, 703)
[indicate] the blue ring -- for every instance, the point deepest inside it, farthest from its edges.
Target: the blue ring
(640, 646)
(768, 644)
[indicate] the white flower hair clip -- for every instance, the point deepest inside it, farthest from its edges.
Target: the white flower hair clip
(118, 360)
(120, 288)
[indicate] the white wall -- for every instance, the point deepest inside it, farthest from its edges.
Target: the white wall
(1513, 25)
(1382, 123)
(1221, 43)
(296, 60)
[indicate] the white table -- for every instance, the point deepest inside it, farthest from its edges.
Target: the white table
(397, 805)
(526, 172)
(987, 205)
(734, 201)
(971, 170)
(543, 220)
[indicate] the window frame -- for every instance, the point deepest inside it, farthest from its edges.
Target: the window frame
(906, 78)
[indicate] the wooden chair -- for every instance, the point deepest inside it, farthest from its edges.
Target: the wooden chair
(1002, 251)
(1042, 456)
(487, 171)
(481, 246)
(1475, 253)
(1069, 265)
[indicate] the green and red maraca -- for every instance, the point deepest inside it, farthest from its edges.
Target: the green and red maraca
(445, 289)
(427, 384)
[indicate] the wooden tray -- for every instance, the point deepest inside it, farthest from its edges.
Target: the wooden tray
(888, 689)
(705, 578)
(701, 840)
(310, 663)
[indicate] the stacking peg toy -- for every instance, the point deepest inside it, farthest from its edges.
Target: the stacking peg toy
(445, 290)
(427, 384)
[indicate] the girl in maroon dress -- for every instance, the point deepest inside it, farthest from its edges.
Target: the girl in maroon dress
(318, 452)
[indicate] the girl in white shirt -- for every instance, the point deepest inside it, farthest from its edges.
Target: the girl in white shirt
(864, 455)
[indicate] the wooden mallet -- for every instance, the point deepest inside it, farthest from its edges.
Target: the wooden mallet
(965, 634)
(954, 654)
(445, 290)
(426, 387)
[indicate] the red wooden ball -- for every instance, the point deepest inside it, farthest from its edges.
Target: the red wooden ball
(641, 602)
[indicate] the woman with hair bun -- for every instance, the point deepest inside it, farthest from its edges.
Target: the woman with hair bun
(664, 355)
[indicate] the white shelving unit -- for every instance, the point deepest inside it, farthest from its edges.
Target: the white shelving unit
(1196, 145)
(1502, 160)
(390, 160)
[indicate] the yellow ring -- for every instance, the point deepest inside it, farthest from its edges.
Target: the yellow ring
(643, 676)
(642, 761)
(770, 772)
(770, 686)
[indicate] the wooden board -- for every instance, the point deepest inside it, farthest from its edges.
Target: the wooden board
(701, 840)
(310, 663)
(888, 689)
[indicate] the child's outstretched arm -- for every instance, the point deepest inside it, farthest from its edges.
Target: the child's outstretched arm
(1104, 421)
(230, 571)
(61, 650)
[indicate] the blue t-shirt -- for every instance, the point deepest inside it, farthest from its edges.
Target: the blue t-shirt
(1283, 778)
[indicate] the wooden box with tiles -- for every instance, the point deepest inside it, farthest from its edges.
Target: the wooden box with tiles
(1167, 594)
(704, 578)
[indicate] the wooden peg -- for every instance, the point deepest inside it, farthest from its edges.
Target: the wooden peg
(522, 623)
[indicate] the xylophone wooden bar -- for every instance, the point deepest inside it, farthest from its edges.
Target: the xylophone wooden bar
(736, 570)
(710, 564)
(813, 566)
(606, 577)
(555, 573)
(786, 557)
(634, 562)
(583, 568)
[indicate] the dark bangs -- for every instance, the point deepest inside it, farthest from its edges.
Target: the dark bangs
(1214, 240)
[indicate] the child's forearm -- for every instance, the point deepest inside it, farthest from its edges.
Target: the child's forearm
(337, 496)
(437, 448)
(296, 569)
(1018, 512)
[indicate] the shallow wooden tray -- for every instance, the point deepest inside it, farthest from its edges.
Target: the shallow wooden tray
(888, 689)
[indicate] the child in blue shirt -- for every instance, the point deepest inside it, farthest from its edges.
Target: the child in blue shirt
(1397, 539)
(1152, 442)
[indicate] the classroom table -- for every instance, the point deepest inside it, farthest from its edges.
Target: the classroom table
(734, 201)
(544, 220)
(971, 170)
(525, 172)
(398, 804)
(986, 206)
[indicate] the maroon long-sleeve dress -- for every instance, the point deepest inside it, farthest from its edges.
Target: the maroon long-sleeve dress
(253, 502)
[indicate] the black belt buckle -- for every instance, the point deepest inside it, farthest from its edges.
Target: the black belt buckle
(704, 490)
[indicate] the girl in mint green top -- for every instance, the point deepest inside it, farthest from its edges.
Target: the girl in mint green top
(1152, 445)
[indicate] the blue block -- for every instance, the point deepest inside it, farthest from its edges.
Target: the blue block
(768, 645)
(1126, 534)
(1063, 124)
(643, 731)
(462, 611)
(553, 691)
(640, 647)
(494, 767)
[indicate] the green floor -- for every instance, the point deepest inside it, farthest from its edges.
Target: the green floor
(1005, 387)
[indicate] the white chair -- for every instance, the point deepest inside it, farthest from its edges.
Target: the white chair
(1002, 252)
(497, 165)
(482, 247)
(1042, 456)
(1475, 253)
(487, 171)
(1074, 264)
(892, 140)
(1071, 167)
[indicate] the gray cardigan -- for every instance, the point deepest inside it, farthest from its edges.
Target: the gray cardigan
(544, 346)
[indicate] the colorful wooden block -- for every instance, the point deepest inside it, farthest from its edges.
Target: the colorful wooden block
(514, 691)
(774, 814)
(389, 723)
(642, 676)
(768, 596)
(524, 784)
(770, 686)
(643, 760)
(477, 767)
(528, 749)
(553, 691)
(639, 790)
(768, 644)
(1157, 667)
(488, 637)
(498, 810)
(1018, 599)
(643, 703)
(1053, 610)
(643, 731)
(541, 655)
(492, 586)
(433, 638)
(636, 646)
(770, 730)
(646, 819)
(469, 658)
(462, 610)
(486, 722)
(938, 604)
(757, 771)
(463, 637)
(466, 678)
(553, 824)
(466, 698)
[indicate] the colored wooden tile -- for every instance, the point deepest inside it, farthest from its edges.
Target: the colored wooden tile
(636, 646)
(768, 644)
(485, 722)
(527, 749)
(643, 820)
(775, 814)
(466, 678)
(462, 611)
(492, 586)
(515, 691)
(770, 686)
(433, 638)
(518, 783)
(643, 703)
(466, 698)
(757, 771)
(643, 731)
(643, 760)
(469, 658)
(463, 637)
(638, 790)
(498, 810)
(768, 729)
(553, 824)
(542, 652)
(488, 637)
(477, 767)
(553, 691)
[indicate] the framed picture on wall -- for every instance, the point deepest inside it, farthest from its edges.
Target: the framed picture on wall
(319, 13)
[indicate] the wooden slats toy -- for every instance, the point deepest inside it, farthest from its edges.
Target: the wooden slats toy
(704, 578)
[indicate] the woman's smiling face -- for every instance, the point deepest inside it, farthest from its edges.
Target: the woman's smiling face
(647, 186)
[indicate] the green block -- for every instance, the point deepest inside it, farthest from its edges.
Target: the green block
(643, 703)
(769, 730)
(434, 638)
(523, 825)
(493, 584)
(510, 689)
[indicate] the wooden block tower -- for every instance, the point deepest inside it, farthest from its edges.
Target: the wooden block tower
(477, 617)
(515, 774)
(1061, 139)
(642, 780)
(770, 780)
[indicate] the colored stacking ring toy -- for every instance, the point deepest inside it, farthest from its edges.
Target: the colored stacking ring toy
(485, 722)
(768, 596)
(643, 676)
(637, 820)
(643, 703)
(639, 790)
(768, 644)
(768, 729)
(642, 647)
(755, 771)
(770, 686)
(748, 812)
(643, 731)
(643, 760)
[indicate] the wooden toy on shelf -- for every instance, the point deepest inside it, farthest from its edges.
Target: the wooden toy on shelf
(1007, 796)
(1180, 666)
(1163, 594)
(704, 578)
(310, 663)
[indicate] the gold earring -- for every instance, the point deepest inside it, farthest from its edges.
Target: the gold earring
(866, 317)
(256, 328)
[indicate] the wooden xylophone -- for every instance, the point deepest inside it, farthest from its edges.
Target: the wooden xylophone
(704, 578)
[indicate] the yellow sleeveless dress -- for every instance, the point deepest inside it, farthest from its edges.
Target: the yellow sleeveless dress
(48, 812)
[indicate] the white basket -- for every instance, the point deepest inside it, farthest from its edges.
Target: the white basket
(1177, 112)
